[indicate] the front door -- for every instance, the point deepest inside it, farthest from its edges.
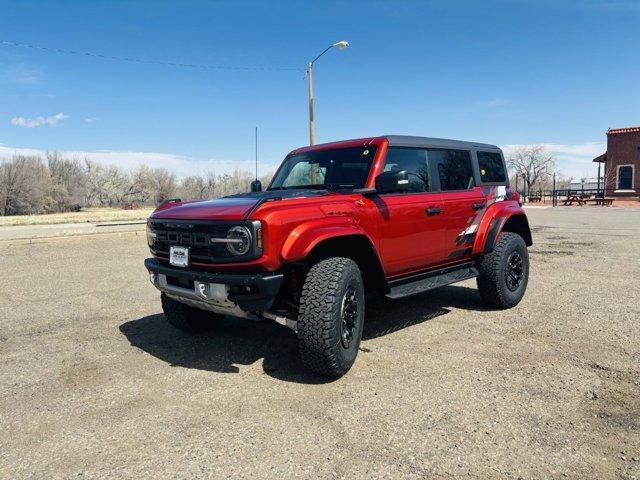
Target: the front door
(410, 225)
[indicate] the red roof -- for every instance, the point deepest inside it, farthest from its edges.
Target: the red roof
(623, 130)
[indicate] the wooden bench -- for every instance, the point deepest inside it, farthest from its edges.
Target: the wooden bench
(607, 201)
(535, 199)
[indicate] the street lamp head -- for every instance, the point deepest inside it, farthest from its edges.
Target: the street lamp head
(341, 45)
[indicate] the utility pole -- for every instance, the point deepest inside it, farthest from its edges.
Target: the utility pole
(312, 135)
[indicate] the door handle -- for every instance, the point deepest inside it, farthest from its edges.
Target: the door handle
(431, 211)
(478, 206)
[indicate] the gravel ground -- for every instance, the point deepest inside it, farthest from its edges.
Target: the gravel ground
(94, 383)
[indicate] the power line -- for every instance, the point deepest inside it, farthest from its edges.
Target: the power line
(100, 56)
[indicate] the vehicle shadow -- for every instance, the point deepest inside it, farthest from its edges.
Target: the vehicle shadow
(386, 316)
(243, 342)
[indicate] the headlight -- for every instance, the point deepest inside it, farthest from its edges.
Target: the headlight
(238, 240)
(151, 236)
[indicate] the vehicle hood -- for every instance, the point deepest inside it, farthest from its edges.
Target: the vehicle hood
(233, 207)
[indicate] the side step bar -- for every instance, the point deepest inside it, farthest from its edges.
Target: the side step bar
(415, 284)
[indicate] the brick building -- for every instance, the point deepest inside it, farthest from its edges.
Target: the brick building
(622, 162)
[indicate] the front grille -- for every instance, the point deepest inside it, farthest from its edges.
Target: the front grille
(197, 236)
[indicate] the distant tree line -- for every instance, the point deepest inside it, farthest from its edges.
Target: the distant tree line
(33, 184)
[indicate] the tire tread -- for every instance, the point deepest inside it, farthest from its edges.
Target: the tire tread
(316, 317)
(490, 271)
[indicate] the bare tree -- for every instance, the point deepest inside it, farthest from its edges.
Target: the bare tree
(197, 187)
(24, 185)
(108, 186)
(69, 183)
(532, 163)
(141, 185)
(164, 184)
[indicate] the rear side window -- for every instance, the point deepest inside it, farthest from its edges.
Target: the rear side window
(412, 160)
(454, 169)
(491, 167)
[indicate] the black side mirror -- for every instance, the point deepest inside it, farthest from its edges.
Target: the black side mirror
(388, 182)
(256, 186)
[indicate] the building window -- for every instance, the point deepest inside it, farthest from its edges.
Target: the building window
(625, 177)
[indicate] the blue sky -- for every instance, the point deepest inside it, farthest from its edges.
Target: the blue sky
(503, 72)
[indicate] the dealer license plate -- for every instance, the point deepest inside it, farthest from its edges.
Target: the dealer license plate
(179, 256)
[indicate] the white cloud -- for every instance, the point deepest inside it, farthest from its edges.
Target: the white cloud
(53, 120)
(573, 160)
(89, 120)
(181, 165)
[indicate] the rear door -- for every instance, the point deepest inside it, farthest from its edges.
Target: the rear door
(410, 226)
(463, 201)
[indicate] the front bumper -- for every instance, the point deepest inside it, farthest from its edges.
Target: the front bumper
(228, 293)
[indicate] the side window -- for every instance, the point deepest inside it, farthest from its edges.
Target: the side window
(625, 177)
(454, 169)
(414, 161)
(491, 167)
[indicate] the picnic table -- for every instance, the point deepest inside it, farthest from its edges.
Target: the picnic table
(535, 198)
(574, 198)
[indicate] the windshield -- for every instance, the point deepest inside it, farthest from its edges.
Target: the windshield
(346, 168)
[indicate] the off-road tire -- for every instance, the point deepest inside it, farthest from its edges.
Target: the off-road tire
(320, 323)
(189, 319)
(492, 278)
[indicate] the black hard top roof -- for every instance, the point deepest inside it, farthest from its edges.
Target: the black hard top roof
(427, 142)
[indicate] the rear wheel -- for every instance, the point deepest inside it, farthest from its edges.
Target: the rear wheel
(331, 316)
(504, 273)
(189, 319)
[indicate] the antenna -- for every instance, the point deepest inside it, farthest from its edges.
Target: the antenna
(256, 186)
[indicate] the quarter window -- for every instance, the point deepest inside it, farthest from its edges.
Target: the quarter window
(491, 167)
(412, 160)
(625, 177)
(454, 169)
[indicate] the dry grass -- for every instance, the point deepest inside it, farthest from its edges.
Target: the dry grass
(90, 215)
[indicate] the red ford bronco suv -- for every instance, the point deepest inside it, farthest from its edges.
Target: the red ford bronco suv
(391, 216)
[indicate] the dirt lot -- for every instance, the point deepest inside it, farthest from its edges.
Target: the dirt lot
(94, 383)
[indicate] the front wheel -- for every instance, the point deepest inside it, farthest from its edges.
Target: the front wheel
(331, 316)
(504, 273)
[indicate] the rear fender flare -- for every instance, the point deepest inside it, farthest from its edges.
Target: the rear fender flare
(511, 219)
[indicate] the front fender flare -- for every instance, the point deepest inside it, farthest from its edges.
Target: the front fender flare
(307, 235)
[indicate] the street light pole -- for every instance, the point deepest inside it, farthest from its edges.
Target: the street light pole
(340, 46)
